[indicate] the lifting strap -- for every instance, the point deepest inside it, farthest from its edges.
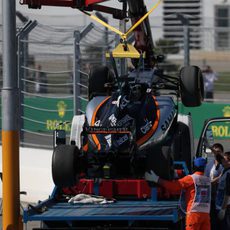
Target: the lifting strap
(123, 35)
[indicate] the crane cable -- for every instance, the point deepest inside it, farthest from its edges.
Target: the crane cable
(123, 35)
(142, 18)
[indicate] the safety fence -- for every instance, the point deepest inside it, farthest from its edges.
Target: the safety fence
(53, 68)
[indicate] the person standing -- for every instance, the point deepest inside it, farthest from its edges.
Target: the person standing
(223, 194)
(214, 170)
(197, 190)
(209, 77)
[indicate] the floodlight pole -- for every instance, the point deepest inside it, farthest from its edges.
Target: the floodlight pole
(10, 121)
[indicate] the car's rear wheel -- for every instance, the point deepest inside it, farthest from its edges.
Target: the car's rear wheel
(160, 160)
(192, 86)
(64, 165)
(182, 145)
(98, 78)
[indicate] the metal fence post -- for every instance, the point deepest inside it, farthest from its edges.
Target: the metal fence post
(21, 63)
(105, 37)
(77, 74)
(78, 35)
(186, 45)
(185, 22)
(123, 61)
(106, 47)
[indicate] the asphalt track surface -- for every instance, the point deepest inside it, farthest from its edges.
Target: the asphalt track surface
(28, 226)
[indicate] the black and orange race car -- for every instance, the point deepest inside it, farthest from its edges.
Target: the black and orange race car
(131, 125)
(132, 122)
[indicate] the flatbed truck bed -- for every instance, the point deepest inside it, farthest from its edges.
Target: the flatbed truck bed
(130, 212)
(127, 212)
(121, 210)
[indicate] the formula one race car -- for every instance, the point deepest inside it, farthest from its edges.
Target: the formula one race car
(132, 123)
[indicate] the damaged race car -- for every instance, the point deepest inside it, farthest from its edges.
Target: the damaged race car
(132, 122)
(131, 125)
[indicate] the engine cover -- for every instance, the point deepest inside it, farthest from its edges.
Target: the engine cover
(142, 117)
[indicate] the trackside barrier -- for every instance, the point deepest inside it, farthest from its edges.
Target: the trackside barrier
(54, 111)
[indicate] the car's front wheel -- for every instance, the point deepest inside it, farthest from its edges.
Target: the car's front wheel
(191, 86)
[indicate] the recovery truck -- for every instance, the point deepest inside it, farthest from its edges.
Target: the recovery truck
(131, 125)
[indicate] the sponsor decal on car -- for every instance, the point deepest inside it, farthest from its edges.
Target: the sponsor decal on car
(146, 127)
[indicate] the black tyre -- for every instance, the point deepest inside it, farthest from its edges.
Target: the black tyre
(160, 160)
(192, 86)
(182, 145)
(64, 165)
(98, 77)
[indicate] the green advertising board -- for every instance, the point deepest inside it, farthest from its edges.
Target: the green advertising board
(207, 111)
(44, 115)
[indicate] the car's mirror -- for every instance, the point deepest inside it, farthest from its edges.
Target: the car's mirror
(59, 137)
(209, 140)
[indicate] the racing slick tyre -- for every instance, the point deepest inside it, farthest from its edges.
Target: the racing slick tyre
(192, 86)
(98, 77)
(161, 162)
(64, 167)
(182, 146)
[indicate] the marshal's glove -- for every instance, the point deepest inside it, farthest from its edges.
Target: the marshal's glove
(221, 214)
(152, 176)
